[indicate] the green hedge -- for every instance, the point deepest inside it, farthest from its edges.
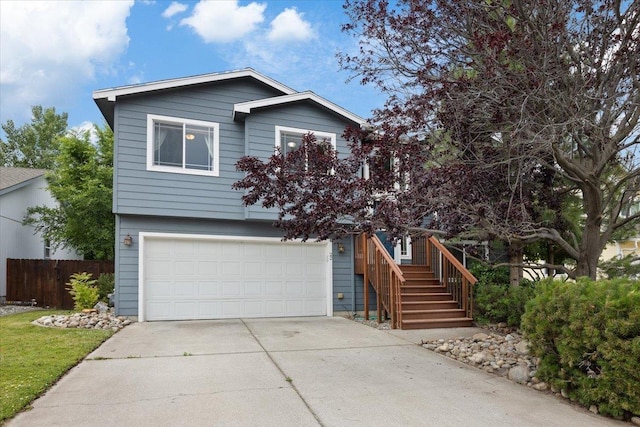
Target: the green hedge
(495, 300)
(587, 335)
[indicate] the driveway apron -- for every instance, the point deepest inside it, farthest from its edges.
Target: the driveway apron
(286, 372)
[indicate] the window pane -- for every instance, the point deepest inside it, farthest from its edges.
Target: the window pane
(290, 141)
(167, 144)
(199, 146)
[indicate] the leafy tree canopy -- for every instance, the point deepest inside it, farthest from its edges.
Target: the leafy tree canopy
(33, 145)
(81, 181)
(500, 114)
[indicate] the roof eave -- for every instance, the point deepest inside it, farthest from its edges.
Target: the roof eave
(106, 98)
(243, 109)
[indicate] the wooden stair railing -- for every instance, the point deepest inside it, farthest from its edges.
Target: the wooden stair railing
(385, 276)
(435, 291)
(428, 251)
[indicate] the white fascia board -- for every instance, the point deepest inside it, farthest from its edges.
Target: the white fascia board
(246, 107)
(112, 93)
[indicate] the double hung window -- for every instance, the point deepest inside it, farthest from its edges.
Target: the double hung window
(182, 145)
(290, 139)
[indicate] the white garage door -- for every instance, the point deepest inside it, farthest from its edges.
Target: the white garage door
(196, 278)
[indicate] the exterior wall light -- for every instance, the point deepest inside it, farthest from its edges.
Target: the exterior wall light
(341, 248)
(128, 240)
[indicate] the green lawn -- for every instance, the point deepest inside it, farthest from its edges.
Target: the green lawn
(32, 358)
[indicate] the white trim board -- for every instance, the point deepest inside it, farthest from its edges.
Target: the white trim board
(244, 108)
(112, 93)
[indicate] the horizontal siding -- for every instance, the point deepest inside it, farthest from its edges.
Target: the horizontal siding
(143, 192)
(126, 265)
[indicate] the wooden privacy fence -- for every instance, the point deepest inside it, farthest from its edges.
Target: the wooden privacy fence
(44, 280)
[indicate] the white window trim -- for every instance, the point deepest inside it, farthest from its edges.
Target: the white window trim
(320, 136)
(152, 118)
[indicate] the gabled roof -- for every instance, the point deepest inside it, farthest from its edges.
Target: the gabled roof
(14, 178)
(106, 98)
(243, 109)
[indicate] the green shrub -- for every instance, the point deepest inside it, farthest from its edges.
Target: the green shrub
(106, 286)
(83, 290)
(495, 300)
(587, 335)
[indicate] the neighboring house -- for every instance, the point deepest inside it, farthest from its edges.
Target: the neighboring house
(21, 188)
(621, 249)
(186, 246)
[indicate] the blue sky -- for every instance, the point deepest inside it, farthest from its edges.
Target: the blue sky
(57, 53)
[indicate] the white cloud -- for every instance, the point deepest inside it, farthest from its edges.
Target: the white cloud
(50, 48)
(289, 25)
(174, 9)
(224, 21)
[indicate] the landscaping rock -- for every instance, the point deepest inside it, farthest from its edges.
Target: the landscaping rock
(480, 336)
(541, 386)
(593, 408)
(101, 307)
(519, 374)
(88, 320)
(635, 420)
(522, 347)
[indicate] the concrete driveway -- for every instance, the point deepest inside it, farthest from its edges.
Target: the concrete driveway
(287, 372)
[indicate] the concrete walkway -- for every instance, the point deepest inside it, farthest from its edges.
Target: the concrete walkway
(287, 372)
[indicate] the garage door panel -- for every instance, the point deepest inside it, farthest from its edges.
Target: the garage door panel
(184, 249)
(294, 289)
(208, 268)
(231, 308)
(273, 308)
(209, 289)
(158, 268)
(294, 307)
(253, 308)
(184, 309)
(232, 289)
(253, 269)
(314, 289)
(209, 309)
(295, 270)
(158, 289)
(253, 290)
(210, 279)
(184, 289)
(232, 268)
(315, 307)
(273, 289)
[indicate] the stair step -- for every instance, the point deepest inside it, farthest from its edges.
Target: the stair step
(426, 296)
(429, 305)
(459, 322)
(422, 281)
(421, 289)
(443, 313)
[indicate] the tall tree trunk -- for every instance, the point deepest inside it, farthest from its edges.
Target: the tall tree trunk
(590, 250)
(590, 245)
(515, 260)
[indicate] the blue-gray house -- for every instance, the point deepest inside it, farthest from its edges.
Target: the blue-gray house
(186, 246)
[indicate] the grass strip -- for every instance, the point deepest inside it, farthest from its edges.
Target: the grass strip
(33, 358)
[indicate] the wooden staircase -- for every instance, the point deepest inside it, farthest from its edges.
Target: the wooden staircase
(426, 303)
(435, 291)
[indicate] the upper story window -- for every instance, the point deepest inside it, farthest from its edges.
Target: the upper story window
(290, 139)
(182, 145)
